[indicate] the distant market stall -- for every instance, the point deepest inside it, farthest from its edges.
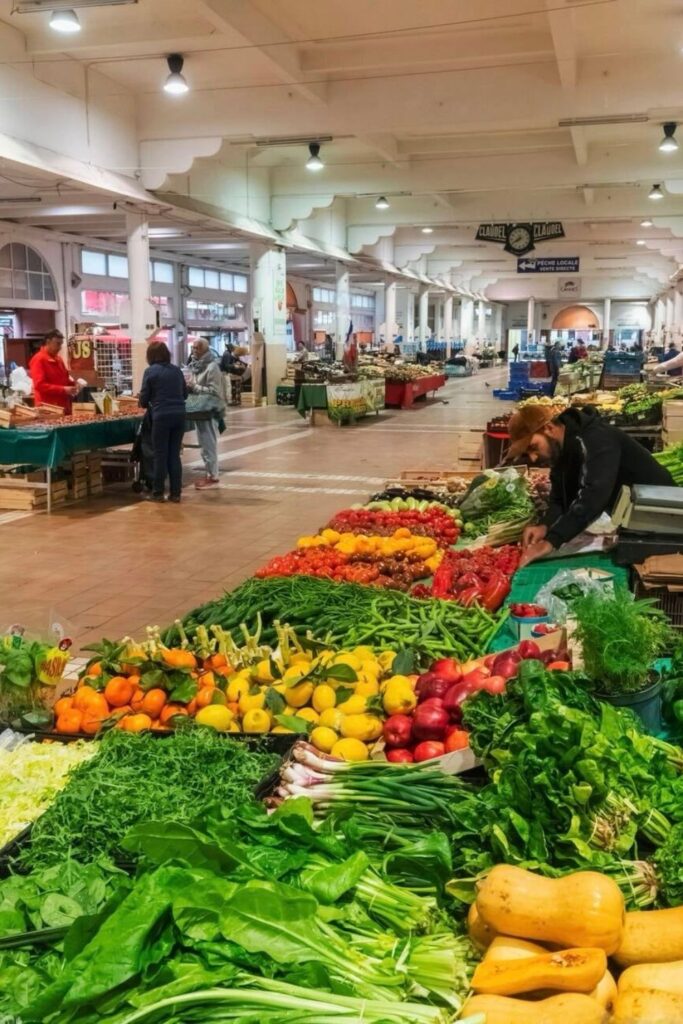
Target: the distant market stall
(343, 402)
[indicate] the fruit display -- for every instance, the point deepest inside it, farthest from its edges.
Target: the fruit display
(477, 576)
(395, 572)
(433, 521)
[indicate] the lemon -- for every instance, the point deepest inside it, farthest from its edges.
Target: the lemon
(263, 672)
(250, 702)
(364, 653)
(294, 674)
(324, 697)
(354, 705)
(323, 739)
(371, 669)
(350, 750)
(361, 727)
(349, 659)
(300, 659)
(233, 727)
(216, 716)
(367, 688)
(399, 698)
(386, 660)
(308, 715)
(332, 719)
(324, 658)
(299, 695)
(256, 720)
(238, 687)
(280, 729)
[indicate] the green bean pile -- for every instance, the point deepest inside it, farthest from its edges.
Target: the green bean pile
(347, 615)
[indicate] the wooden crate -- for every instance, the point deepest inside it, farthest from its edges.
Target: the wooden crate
(83, 410)
(26, 495)
(5, 419)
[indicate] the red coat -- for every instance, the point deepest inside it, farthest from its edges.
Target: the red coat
(50, 376)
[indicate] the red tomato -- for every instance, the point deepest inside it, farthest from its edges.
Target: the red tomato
(458, 739)
(400, 755)
(427, 750)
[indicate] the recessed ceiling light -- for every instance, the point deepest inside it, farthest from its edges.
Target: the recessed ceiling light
(668, 143)
(65, 21)
(646, 223)
(427, 231)
(382, 203)
(641, 241)
(656, 192)
(314, 163)
(175, 84)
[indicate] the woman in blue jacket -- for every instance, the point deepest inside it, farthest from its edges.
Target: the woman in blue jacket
(163, 392)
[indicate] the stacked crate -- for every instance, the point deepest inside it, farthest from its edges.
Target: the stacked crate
(672, 422)
(95, 479)
(29, 495)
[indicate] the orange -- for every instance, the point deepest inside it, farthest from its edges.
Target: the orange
(62, 705)
(133, 678)
(137, 699)
(170, 710)
(153, 702)
(191, 707)
(216, 661)
(158, 727)
(136, 723)
(207, 679)
(91, 723)
(84, 696)
(224, 670)
(69, 721)
(119, 691)
(94, 669)
(205, 696)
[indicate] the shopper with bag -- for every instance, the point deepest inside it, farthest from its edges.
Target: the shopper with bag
(164, 392)
(207, 379)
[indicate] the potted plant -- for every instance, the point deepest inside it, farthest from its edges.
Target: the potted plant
(621, 640)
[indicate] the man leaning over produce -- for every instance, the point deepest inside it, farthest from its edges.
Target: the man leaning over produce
(590, 463)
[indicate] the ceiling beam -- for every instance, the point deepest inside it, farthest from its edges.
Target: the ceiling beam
(244, 17)
(563, 32)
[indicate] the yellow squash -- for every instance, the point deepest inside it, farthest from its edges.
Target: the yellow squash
(650, 994)
(567, 1008)
(481, 935)
(651, 936)
(582, 909)
(568, 970)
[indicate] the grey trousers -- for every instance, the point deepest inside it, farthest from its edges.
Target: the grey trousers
(207, 435)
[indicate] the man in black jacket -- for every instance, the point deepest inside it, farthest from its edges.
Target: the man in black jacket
(590, 463)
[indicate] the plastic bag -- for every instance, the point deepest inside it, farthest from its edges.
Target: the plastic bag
(568, 584)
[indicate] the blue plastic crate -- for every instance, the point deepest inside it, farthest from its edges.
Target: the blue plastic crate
(506, 394)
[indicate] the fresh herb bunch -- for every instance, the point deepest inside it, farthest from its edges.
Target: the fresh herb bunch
(621, 639)
(136, 778)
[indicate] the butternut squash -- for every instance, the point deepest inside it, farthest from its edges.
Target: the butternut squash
(569, 970)
(651, 936)
(584, 909)
(480, 933)
(650, 994)
(568, 1008)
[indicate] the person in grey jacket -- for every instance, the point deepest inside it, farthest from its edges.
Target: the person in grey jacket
(207, 379)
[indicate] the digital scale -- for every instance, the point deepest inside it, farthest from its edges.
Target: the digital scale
(650, 522)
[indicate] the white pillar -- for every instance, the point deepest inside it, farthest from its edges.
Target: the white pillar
(481, 323)
(531, 317)
(423, 329)
(390, 310)
(448, 323)
(467, 322)
(678, 313)
(606, 322)
(498, 329)
(657, 322)
(269, 309)
(142, 312)
(409, 328)
(343, 308)
(438, 318)
(457, 316)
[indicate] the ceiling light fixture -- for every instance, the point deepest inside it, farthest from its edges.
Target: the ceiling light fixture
(43, 6)
(382, 203)
(646, 223)
(65, 21)
(641, 241)
(668, 143)
(314, 163)
(427, 231)
(655, 192)
(175, 84)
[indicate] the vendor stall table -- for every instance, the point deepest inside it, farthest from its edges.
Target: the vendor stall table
(343, 403)
(404, 393)
(49, 446)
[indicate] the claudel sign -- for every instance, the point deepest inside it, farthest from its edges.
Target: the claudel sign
(520, 238)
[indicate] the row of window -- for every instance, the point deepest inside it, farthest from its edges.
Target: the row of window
(329, 296)
(325, 295)
(324, 318)
(24, 275)
(109, 264)
(359, 301)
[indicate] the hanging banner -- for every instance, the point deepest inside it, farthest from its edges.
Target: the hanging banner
(548, 265)
(520, 239)
(350, 401)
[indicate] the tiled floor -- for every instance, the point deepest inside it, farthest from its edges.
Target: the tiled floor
(109, 567)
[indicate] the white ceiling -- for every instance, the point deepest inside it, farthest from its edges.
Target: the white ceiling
(452, 108)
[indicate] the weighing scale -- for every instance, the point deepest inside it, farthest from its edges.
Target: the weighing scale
(650, 522)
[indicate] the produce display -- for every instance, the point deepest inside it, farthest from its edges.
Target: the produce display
(478, 576)
(672, 459)
(397, 372)
(493, 498)
(27, 669)
(434, 521)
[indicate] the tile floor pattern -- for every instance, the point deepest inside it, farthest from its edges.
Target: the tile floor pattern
(111, 566)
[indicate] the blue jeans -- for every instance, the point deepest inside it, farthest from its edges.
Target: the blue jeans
(167, 441)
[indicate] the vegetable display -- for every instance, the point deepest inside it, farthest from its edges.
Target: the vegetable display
(480, 576)
(672, 459)
(28, 669)
(435, 521)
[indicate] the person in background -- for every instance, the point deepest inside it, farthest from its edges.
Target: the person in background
(675, 368)
(590, 462)
(164, 392)
(207, 379)
(234, 367)
(329, 348)
(554, 366)
(52, 382)
(581, 351)
(515, 353)
(547, 349)
(300, 360)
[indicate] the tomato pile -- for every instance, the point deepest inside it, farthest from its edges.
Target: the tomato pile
(528, 611)
(481, 576)
(397, 573)
(433, 522)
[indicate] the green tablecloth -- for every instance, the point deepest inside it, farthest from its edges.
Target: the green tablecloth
(311, 396)
(528, 581)
(48, 446)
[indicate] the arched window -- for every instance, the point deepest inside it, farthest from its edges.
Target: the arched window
(24, 274)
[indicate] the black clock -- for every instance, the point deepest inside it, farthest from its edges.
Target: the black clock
(520, 239)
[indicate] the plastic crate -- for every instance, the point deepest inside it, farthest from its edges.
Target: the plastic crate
(506, 394)
(670, 603)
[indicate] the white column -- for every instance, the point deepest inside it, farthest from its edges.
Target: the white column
(606, 322)
(409, 330)
(269, 309)
(531, 316)
(438, 318)
(423, 328)
(678, 313)
(390, 310)
(481, 323)
(467, 322)
(343, 308)
(457, 316)
(142, 313)
(448, 323)
(498, 329)
(657, 322)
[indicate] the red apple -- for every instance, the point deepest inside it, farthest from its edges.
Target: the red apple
(426, 751)
(429, 722)
(397, 730)
(399, 755)
(447, 668)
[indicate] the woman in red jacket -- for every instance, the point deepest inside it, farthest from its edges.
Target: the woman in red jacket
(52, 382)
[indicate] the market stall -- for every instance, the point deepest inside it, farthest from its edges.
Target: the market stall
(406, 393)
(265, 811)
(342, 402)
